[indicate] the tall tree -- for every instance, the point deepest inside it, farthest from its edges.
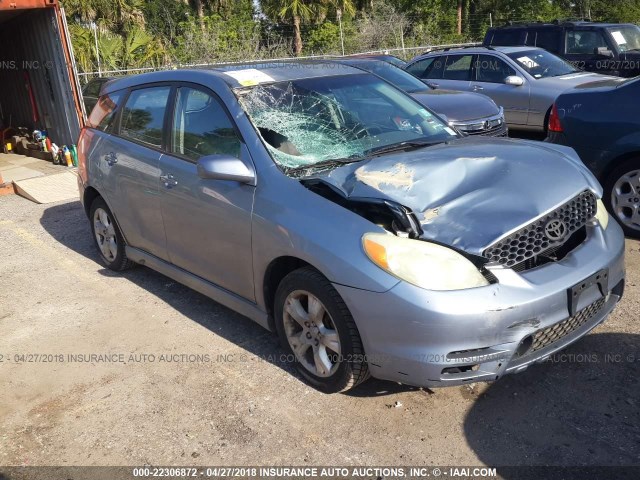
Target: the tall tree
(294, 11)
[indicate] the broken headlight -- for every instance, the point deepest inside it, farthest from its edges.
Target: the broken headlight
(423, 264)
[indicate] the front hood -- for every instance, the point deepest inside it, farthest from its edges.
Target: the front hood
(471, 192)
(458, 106)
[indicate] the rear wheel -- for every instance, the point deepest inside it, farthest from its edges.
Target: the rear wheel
(107, 237)
(316, 327)
(622, 196)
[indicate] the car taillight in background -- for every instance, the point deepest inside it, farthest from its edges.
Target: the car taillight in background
(554, 120)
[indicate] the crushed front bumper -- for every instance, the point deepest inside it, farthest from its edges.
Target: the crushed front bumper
(433, 339)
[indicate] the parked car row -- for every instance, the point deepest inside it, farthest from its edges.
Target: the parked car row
(332, 203)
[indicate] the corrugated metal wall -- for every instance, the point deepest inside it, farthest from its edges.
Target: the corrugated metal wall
(31, 42)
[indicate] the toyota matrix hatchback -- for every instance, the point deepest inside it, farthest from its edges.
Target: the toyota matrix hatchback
(336, 210)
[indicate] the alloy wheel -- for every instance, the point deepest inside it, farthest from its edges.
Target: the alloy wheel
(625, 199)
(105, 233)
(311, 333)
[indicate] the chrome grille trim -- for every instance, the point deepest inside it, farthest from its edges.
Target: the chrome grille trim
(532, 240)
(552, 334)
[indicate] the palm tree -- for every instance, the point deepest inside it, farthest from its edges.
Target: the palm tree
(292, 10)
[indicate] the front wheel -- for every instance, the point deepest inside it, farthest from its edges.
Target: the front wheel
(316, 327)
(622, 196)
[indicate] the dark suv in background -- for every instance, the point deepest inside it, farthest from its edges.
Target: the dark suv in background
(611, 48)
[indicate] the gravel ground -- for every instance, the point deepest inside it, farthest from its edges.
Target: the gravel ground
(226, 399)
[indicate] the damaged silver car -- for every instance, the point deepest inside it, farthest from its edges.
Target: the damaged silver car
(335, 210)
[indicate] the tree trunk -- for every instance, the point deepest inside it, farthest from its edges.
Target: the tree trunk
(297, 43)
(460, 17)
(200, 12)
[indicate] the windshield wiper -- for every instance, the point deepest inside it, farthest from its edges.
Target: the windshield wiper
(401, 147)
(331, 163)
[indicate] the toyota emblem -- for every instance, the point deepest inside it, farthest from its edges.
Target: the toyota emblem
(555, 230)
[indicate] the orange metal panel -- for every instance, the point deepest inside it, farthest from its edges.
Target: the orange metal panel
(26, 4)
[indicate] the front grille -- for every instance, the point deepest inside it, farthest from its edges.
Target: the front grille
(552, 334)
(532, 240)
(499, 131)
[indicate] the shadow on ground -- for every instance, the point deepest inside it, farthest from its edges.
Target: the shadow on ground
(580, 408)
(68, 224)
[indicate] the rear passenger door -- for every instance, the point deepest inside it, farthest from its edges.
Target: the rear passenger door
(129, 166)
(207, 221)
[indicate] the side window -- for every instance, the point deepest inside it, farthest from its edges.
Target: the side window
(507, 38)
(458, 67)
(201, 126)
(419, 68)
(549, 39)
(92, 89)
(143, 115)
(101, 115)
(491, 69)
(530, 40)
(584, 42)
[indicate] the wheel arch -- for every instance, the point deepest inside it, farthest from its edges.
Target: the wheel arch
(615, 162)
(90, 194)
(277, 269)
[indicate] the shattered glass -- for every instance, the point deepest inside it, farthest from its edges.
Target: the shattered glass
(303, 122)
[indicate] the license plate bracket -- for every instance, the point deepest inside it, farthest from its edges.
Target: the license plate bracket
(600, 278)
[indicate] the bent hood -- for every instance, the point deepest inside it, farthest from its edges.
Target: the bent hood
(458, 106)
(473, 191)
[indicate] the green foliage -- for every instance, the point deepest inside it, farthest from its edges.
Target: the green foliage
(135, 33)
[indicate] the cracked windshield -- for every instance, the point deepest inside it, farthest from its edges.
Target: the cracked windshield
(342, 118)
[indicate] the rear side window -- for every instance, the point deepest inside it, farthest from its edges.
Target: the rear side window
(458, 67)
(420, 67)
(508, 37)
(92, 89)
(102, 113)
(585, 42)
(201, 126)
(549, 39)
(143, 115)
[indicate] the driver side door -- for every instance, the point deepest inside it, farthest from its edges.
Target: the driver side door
(489, 77)
(207, 221)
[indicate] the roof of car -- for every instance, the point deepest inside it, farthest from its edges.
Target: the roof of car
(476, 49)
(243, 75)
(557, 23)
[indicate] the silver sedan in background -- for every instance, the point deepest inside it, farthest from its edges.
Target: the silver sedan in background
(525, 81)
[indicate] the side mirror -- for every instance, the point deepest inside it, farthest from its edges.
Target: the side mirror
(430, 84)
(225, 167)
(514, 81)
(603, 52)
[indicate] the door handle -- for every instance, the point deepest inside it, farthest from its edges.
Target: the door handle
(111, 158)
(168, 180)
(477, 88)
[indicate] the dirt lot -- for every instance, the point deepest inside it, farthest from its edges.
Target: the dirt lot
(242, 406)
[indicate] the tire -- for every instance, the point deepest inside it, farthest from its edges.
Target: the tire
(622, 196)
(107, 237)
(342, 366)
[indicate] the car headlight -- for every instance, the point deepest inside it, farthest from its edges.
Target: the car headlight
(602, 215)
(423, 264)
